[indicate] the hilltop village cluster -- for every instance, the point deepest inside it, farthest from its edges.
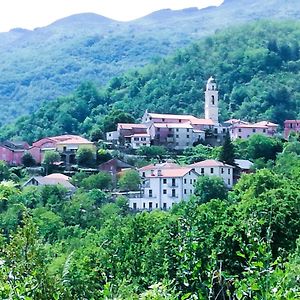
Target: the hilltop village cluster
(163, 184)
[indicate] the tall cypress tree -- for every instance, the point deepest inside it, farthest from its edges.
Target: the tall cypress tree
(227, 154)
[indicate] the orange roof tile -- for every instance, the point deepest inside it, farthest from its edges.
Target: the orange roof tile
(131, 126)
(165, 165)
(173, 125)
(266, 123)
(210, 163)
(179, 172)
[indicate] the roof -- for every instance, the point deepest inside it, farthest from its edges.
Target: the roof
(178, 172)
(58, 176)
(117, 162)
(244, 164)
(173, 125)
(165, 165)
(291, 121)
(250, 126)
(210, 163)
(234, 121)
(266, 123)
(62, 139)
(140, 135)
(131, 126)
(197, 121)
(211, 80)
(50, 181)
(169, 116)
(15, 146)
(188, 118)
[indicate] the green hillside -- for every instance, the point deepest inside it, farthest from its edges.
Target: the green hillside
(40, 65)
(256, 66)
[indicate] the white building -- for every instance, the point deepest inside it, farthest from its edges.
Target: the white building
(212, 167)
(177, 136)
(162, 187)
(137, 140)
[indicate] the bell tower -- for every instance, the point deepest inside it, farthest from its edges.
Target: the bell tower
(212, 101)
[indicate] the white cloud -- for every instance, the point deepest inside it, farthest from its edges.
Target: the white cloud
(36, 13)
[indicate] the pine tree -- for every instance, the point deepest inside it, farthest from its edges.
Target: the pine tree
(227, 154)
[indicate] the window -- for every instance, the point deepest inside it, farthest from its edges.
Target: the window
(177, 129)
(228, 181)
(264, 130)
(213, 100)
(170, 129)
(164, 181)
(173, 182)
(187, 136)
(202, 170)
(134, 206)
(164, 192)
(191, 181)
(188, 130)
(158, 129)
(194, 181)
(135, 139)
(185, 191)
(150, 205)
(179, 121)
(163, 120)
(191, 191)
(173, 193)
(229, 171)
(184, 180)
(177, 136)
(164, 205)
(240, 129)
(150, 193)
(144, 205)
(222, 170)
(144, 174)
(253, 130)
(211, 170)
(156, 205)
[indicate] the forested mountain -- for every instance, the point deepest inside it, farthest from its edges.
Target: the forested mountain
(40, 65)
(256, 66)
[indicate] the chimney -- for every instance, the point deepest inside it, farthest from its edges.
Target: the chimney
(152, 172)
(159, 173)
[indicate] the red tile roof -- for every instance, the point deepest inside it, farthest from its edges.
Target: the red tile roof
(173, 125)
(210, 163)
(266, 123)
(179, 172)
(165, 165)
(131, 126)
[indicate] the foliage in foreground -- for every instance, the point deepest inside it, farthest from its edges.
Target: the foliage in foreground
(241, 246)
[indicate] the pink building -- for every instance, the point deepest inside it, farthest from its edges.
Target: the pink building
(12, 152)
(244, 131)
(291, 126)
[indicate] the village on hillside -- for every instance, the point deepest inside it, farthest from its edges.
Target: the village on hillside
(162, 183)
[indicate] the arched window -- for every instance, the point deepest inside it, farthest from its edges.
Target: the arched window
(213, 100)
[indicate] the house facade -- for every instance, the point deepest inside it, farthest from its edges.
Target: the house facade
(244, 130)
(163, 187)
(66, 145)
(12, 152)
(212, 167)
(291, 126)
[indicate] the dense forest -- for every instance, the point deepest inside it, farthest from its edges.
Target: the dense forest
(241, 244)
(256, 66)
(39, 65)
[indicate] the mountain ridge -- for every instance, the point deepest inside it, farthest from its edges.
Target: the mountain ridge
(40, 65)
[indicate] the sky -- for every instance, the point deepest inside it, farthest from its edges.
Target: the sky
(30, 14)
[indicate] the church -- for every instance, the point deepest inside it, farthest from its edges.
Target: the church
(178, 132)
